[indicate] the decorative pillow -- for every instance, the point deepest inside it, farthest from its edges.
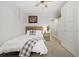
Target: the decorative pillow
(39, 33)
(32, 32)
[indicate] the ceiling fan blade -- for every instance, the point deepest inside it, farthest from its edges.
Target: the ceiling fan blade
(37, 4)
(46, 6)
(43, 3)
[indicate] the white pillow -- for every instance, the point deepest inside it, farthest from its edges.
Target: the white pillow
(39, 33)
(28, 31)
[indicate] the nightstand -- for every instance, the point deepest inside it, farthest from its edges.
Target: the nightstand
(46, 36)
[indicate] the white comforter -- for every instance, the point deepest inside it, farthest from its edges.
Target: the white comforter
(17, 43)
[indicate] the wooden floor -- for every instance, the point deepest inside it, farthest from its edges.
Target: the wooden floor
(54, 50)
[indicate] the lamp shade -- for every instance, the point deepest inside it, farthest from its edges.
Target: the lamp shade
(44, 28)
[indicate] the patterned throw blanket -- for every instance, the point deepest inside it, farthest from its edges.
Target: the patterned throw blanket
(27, 48)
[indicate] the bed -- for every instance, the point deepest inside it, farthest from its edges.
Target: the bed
(17, 43)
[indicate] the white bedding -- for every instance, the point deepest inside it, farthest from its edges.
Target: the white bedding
(17, 43)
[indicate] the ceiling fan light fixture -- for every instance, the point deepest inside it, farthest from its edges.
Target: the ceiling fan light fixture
(42, 4)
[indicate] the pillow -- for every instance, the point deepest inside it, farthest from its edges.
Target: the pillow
(32, 32)
(28, 32)
(38, 32)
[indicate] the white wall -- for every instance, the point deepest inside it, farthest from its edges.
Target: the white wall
(10, 23)
(42, 20)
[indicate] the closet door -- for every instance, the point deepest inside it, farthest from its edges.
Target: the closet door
(76, 14)
(67, 27)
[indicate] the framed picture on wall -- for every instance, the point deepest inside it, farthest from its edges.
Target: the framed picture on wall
(32, 19)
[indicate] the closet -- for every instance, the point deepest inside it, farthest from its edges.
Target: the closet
(68, 27)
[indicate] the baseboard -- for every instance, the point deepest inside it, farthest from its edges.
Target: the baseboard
(68, 50)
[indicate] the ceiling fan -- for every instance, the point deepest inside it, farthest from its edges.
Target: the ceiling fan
(42, 3)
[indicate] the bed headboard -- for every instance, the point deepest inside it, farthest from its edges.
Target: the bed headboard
(33, 28)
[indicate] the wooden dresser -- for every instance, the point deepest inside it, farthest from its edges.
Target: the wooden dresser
(46, 36)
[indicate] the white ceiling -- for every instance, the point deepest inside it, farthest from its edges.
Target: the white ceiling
(29, 7)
